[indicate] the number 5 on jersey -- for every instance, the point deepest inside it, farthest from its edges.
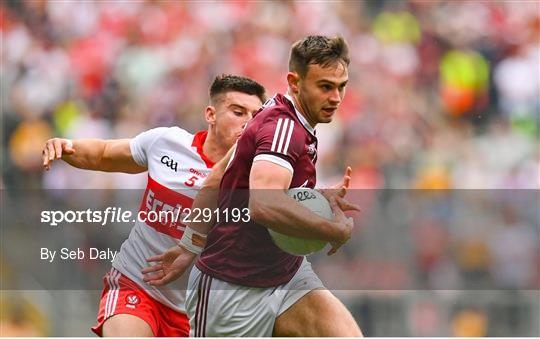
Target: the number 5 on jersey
(191, 181)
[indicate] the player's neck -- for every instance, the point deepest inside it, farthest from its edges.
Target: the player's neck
(299, 108)
(213, 149)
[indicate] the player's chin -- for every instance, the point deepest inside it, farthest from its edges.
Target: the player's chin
(325, 118)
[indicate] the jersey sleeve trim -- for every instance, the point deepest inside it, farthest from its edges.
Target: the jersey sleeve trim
(275, 160)
(136, 153)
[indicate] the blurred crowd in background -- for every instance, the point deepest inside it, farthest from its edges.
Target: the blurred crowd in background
(442, 95)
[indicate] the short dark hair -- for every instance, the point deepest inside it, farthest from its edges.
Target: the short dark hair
(225, 83)
(318, 50)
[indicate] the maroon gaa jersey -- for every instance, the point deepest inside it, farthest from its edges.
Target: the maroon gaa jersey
(243, 253)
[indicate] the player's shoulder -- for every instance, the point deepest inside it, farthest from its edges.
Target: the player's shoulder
(165, 138)
(175, 134)
(179, 132)
(277, 107)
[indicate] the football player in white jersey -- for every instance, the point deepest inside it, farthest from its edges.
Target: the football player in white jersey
(177, 163)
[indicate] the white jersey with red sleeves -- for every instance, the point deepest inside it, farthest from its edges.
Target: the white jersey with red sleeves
(177, 168)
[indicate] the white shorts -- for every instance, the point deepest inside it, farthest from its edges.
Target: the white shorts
(220, 309)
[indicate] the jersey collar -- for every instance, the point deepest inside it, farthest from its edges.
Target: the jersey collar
(302, 119)
(198, 141)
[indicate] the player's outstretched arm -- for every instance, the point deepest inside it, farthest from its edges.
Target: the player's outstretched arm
(270, 206)
(172, 264)
(92, 154)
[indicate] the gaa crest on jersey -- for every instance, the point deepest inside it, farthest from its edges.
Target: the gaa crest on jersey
(169, 162)
(132, 300)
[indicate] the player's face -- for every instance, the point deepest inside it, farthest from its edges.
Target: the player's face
(321, 91)
(232, 113)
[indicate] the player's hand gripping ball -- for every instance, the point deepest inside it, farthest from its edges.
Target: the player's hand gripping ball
(315, 202)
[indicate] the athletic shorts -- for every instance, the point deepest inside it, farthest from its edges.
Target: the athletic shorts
(122, 296)
(220, 309)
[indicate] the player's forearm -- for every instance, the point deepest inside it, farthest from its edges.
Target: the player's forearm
(103, 155)
(208, 195)
(277, 211)
(88, 154)
(206, 199)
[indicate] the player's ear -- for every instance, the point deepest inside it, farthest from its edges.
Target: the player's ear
(292, 80)
(210, 115)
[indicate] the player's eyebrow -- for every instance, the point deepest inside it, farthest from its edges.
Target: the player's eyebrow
(326, 81)
(237, 106)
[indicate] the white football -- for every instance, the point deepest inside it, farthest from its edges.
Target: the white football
(315, 202)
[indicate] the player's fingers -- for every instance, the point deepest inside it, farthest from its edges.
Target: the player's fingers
(346, 205)
(348, 171)
(347, 177)
(342, 192)
(48, 157)
(50, 149)
(346, 181)
(167, 278)
(149, 278)
(333, 204)
(45, 157)
(155, 258)
(57, 144)
(151, 269)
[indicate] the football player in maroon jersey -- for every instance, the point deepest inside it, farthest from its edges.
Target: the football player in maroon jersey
(242, 284)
